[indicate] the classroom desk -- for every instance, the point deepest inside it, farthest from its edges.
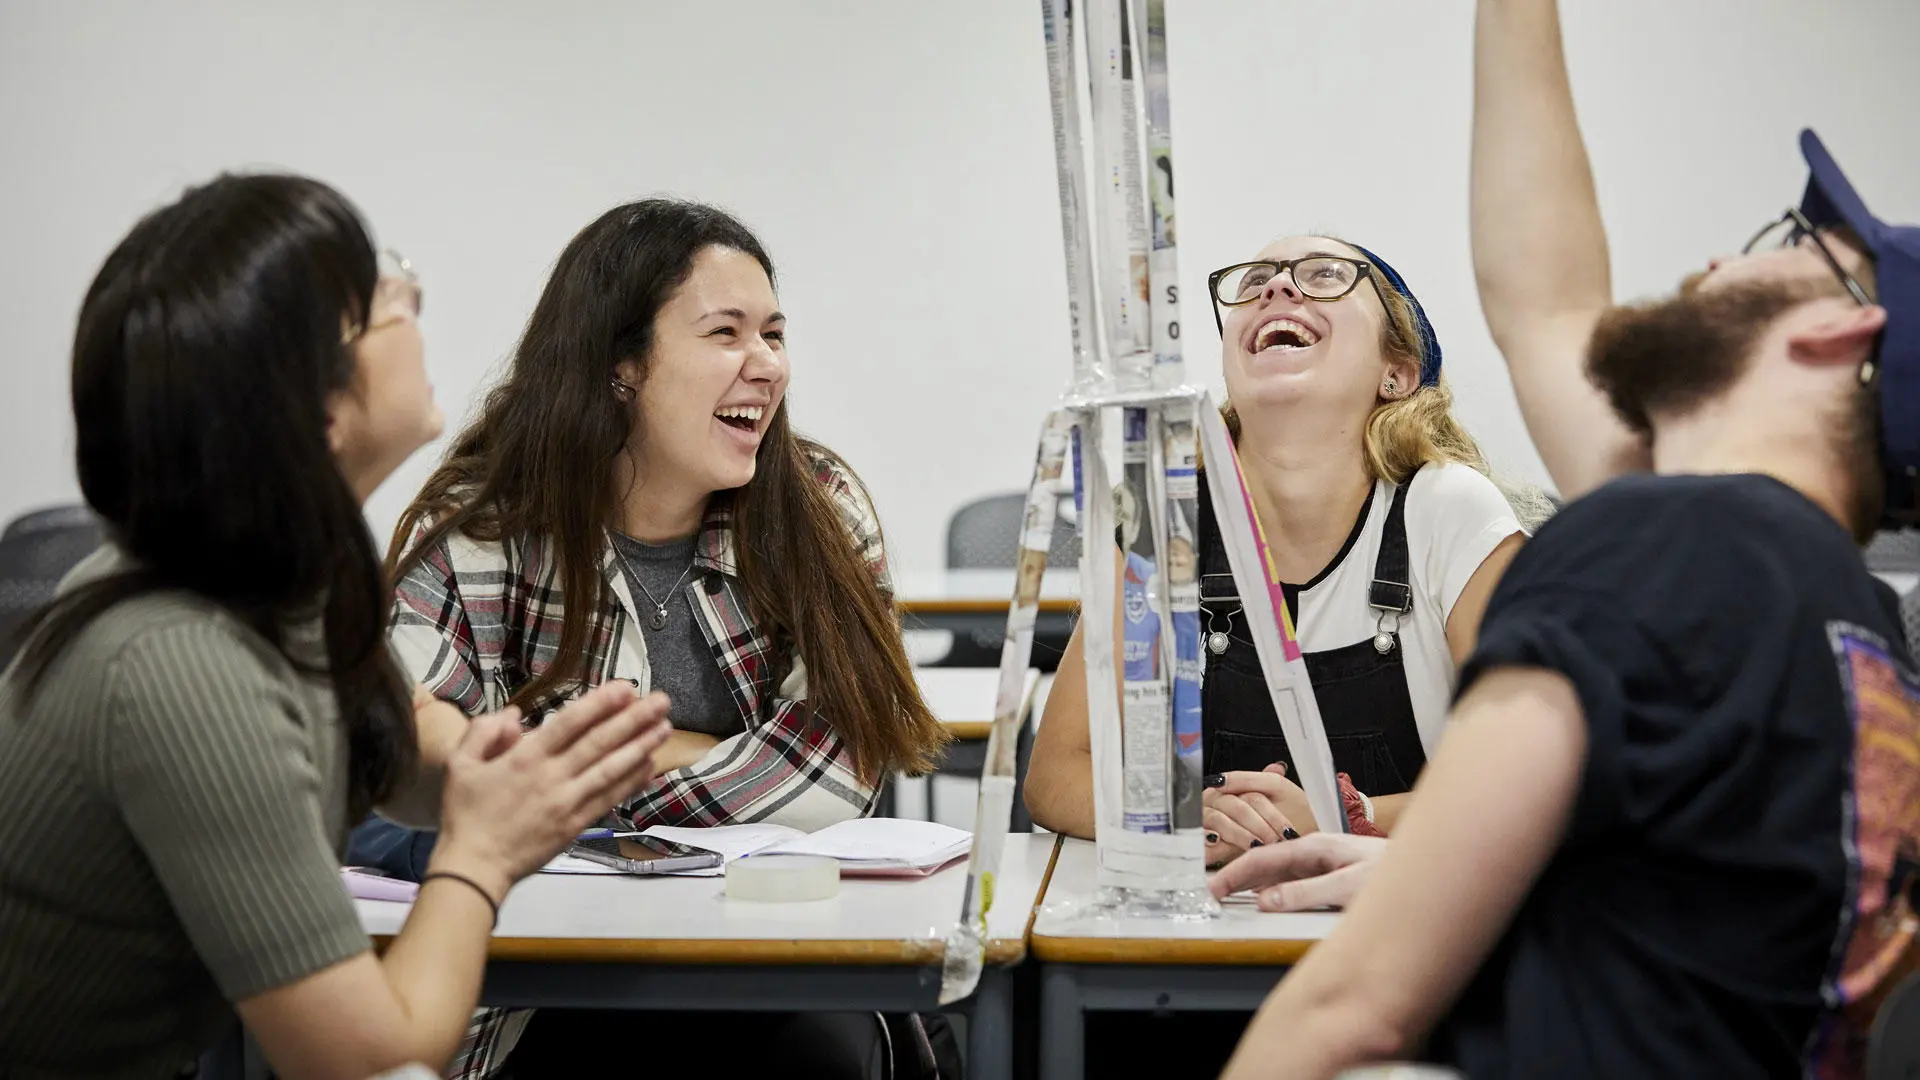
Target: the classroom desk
(988, 591)
(672, 943)
(963, 700)
(972, 606)
(1140, 965)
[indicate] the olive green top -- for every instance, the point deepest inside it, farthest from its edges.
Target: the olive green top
(172, 816)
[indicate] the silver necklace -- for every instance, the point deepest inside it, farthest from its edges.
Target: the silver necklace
(658, 620)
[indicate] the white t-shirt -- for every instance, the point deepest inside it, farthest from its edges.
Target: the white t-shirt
(1455, 517)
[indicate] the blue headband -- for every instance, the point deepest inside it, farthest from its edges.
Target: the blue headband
(1429, 345)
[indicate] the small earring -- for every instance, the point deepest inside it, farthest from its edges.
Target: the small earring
(1391, 385)
(621, 388)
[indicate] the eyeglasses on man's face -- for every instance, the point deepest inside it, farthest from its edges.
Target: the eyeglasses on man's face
(1794, 230)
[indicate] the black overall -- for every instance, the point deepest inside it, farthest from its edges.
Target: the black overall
(1361, 691)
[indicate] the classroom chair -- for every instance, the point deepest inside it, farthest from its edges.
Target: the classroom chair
(36, 551)
(985, 535)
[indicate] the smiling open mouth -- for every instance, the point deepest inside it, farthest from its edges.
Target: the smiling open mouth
(1284, 334)
(741, 417)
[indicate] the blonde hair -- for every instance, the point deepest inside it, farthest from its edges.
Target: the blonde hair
(1404, 434)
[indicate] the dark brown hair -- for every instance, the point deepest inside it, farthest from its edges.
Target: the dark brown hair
(541, 460)
(208, 346)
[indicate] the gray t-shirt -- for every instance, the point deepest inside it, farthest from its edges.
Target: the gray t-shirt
(678, 655)
(172, 815)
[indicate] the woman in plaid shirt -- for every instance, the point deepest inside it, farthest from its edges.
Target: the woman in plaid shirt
(632, 503)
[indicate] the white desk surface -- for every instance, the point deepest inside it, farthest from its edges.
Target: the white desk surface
(963, 698)
(558, 917)
(1242, 935)
(982, 590)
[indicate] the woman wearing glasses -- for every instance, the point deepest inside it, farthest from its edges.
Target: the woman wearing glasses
(209, 701)
(1381, 518)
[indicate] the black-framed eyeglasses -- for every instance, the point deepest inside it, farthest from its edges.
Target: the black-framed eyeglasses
(1793, 227)
(1325, 278)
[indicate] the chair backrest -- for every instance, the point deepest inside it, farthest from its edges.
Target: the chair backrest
(36, 551)
(1893, 1050)
(53, 517)
(985, 534)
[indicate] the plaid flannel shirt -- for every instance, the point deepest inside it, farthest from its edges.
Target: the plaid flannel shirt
(476, 621)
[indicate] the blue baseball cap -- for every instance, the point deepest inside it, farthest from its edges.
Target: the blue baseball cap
(1429, 344)
(1829, 201)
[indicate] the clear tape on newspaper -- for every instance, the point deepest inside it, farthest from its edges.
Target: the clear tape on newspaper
(1069, 154)
(966, 944)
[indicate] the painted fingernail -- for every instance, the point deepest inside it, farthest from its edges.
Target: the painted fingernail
(1214, 779)
(1212, 837)
(1289, 834)
(1254, 844)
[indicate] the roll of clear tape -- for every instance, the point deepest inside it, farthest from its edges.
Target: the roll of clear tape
(783, 877)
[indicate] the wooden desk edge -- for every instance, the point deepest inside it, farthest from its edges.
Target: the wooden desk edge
(969, 730)
(1150, 952)
(732, 951)
(982, 606)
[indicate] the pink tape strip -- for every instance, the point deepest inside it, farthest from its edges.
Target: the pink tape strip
(1274, 591)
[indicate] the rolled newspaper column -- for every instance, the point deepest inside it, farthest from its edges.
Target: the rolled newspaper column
(1163, 274)
(1145, 715)
(1180, 638)
(1120, 210)
(1070, 163)
(966, 945)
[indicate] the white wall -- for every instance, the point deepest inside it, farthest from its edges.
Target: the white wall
(897, 159)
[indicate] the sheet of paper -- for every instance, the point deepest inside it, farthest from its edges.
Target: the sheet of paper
(899, 840)
(731, 841)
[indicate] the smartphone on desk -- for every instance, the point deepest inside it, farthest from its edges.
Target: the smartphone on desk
(643, 854)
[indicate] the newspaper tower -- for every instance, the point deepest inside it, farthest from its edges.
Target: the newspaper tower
(1143, 684)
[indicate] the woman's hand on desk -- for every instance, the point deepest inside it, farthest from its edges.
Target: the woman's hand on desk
(1247, 810)
(514, 799)
(1322, 870)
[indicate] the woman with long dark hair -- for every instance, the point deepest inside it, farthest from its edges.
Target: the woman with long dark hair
(633, 503)
(210, 700)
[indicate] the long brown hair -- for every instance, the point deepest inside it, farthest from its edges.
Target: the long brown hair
(540, 460)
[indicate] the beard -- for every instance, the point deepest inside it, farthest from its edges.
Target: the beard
(1666, 358)
(1856, 445)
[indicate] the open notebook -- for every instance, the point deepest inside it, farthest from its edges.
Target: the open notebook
(866, 847)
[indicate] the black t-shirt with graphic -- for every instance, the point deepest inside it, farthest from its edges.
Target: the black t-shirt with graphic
(1734, 888)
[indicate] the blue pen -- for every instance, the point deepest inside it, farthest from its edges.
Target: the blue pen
(597, 834)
